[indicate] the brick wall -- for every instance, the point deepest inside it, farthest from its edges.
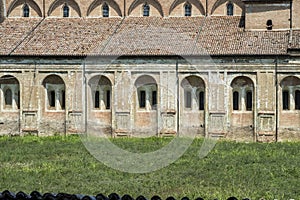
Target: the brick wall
(296, 14)
(257, 16)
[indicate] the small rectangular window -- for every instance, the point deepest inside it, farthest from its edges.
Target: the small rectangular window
(201, 100)
(52, 98)
(97, 100)
(188, 99)
(187, 10)
(146, 10)
(235, 100)
(285, 100)
(142, 99)
(154, 98)
(18, 100)
(8, 97)
(63, 99)
(297, 100)
(107, 99)
(249, 101)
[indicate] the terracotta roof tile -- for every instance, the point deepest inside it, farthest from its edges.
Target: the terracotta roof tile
(13, 31)
(154, 36)
(140, 36)
(222, 36)
(68, 36)
(295, 40)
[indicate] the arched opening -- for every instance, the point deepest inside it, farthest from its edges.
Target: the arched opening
(194, 92)
(289, 106)
(290, 87)
(100, 104)
(54, 93)
(242, 91)
(146, 88)
(101, 89)
(53, 98)
(10, 104)
(192, 115)
(145, 105)
(10, 92)
(242, 109)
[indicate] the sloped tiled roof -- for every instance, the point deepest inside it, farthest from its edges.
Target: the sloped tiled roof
(13, 31)
(217, 35)
(295, 40)
(222, 36)
(68, 36)
(155, 36)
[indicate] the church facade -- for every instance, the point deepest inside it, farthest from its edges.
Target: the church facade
(210, 68)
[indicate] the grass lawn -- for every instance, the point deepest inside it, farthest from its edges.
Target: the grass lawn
(62, 164)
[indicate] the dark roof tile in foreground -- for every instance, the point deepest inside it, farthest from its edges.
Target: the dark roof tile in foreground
(7, 195)
(13, 31)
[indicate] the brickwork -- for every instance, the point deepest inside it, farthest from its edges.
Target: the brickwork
(84, 8)
(296, 13)
(258, 15)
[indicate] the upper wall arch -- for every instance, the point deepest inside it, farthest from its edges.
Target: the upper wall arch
(143, 80)
(154, 3)
(193, 81)
(239, 3)
(100, 80)
(242, 81)
(9, 79)
(290, 81)
(53, 79)
(72, 3)
(32, 4)
(111, 3)
(195, 3)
